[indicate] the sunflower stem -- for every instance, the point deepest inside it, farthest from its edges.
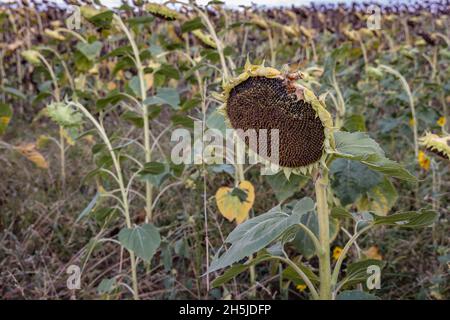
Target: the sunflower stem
(321, 183)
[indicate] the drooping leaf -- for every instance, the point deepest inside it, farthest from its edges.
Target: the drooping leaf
(357, 271)
(359, 146)
(168, 96)
(254, 235)
(352, 179)
(152, 168)
(106, 285)
(101, 18)
(88, 208)
(192, 25)
(90, 50)
(235, 203)
(180, 120)
(284, 188)
(302, 242)
(410, 219)
(143, 240)
(355, 122)
(379, 199)
(290, 274)
(238, 269)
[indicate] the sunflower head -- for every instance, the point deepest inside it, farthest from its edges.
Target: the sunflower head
(161, 11)
(264, 98)
(436, 144)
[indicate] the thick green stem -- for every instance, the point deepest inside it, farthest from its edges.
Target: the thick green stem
(324, 235)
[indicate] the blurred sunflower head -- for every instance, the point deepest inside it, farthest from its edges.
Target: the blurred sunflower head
(264, 98)
(162, 12)
(436, 144)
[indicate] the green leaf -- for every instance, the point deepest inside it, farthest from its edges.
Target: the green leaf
(409, 219)
(357, 271)
(302, 242)
(14, 92)
(239, 268)
(216, 121)
(89, 207)
(356, 295)
(356, 145)
(103, 19)
(140, 20)
(355, 122)
(168, 96)
(135, 86)
(157, 179)
(181, 120)
(169, 71)
(360, 147)
(90, 50)
(290, 274)
(192, 25)
(104, 215)
(340, 213)
(112, 98)
(106, 286)
(352, 179)
(380, 199)
(254, 235)
(142, 240)
(152, 168)
(283, 187)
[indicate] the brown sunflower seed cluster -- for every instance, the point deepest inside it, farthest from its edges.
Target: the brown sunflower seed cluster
(268, 103)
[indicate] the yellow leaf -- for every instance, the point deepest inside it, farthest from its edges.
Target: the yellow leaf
(232, 206)
(373, 253)
(28, 150)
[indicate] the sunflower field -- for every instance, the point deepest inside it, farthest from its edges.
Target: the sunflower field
(135, 161)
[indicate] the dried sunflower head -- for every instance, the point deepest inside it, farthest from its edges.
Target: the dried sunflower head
(436, 144)
(161, 11)
(263, 98)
